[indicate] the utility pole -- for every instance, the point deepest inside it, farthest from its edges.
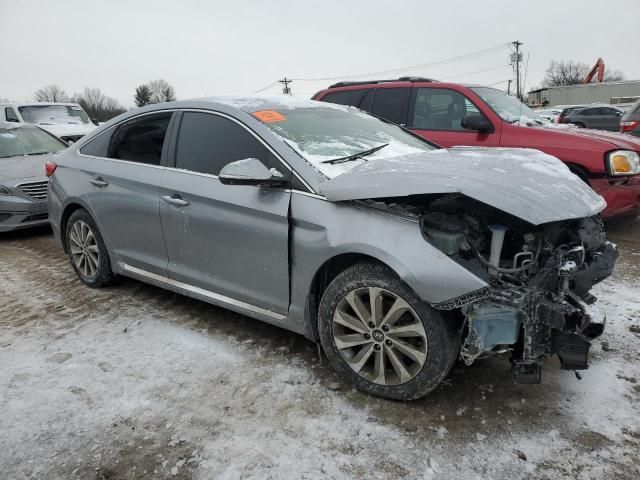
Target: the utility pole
(517, 58)
(285, 89)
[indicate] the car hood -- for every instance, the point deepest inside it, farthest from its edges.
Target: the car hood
(67, 129)
(528, 184)
(16, 169)
(616, 139)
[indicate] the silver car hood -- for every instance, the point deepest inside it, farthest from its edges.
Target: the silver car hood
(528, 184)
(22, 168)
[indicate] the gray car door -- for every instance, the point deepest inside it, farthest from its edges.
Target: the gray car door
(124, 192)
(229, 240)
(610, 119)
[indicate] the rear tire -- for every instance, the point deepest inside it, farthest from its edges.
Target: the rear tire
(401, 351)
(87, 251)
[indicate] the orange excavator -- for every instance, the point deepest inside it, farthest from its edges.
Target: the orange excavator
(598, 67)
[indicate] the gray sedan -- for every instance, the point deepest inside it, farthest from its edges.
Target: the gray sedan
(24, 150)
(397, 256)
(600, 117)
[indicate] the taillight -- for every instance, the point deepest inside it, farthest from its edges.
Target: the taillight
(49, 168)
(560, 118)
(629, 126)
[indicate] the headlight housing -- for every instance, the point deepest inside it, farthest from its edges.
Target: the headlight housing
(623, 162)
(5, 191)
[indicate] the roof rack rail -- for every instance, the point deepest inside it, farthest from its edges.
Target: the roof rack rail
(369, 82)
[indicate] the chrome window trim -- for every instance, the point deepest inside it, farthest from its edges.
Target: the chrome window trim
(199, 110)
(202, 292)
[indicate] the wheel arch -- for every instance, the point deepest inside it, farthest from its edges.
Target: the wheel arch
(324, 275)
(67, 211)
(580, 171)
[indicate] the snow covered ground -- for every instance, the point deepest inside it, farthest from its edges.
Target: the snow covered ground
(136, 382)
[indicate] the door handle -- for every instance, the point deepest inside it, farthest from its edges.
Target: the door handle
(176, 200)
(99, 181)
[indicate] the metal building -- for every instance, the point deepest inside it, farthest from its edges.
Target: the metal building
(622, 93)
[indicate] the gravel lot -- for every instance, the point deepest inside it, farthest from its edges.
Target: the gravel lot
(136, 382)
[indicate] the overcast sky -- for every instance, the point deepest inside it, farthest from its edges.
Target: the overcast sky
(221, 47)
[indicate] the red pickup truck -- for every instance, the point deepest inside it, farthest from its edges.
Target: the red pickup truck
(453, 114)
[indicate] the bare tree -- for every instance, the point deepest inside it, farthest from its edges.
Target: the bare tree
(50, 93)
(97, 105)
(161, 91)
(569, 72)
(614, 76)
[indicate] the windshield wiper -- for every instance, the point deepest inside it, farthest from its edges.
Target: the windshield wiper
(37, 153)
(356, 155)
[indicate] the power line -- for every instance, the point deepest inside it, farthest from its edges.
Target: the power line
(438, 63)
(268, 86)
(479, 71)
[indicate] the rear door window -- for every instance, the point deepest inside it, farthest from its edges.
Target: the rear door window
(208, 142)
(391, 104)
(140, 140)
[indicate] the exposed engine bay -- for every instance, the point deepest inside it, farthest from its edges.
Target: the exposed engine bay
(538, 301)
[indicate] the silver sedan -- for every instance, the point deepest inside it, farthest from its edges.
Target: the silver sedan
(397, 256)
(24, 151)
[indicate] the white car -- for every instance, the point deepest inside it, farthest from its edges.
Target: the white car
(67, 121)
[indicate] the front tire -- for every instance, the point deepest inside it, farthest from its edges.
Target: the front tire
(87, 251)
(382, 337)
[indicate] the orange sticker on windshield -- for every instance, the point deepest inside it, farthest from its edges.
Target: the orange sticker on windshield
(269, 116)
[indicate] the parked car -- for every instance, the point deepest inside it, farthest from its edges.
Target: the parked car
(67, 121)
(393, 253)
(630, 122)
(566, 110)
(24, 150)
(454, 114)
(601, 117)
(551, 114)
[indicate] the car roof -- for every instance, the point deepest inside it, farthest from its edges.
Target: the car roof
(41, 104)
(254, 103)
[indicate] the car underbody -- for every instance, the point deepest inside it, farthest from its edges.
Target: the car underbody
(537, 299)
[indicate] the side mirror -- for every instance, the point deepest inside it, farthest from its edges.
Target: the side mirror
(95, 121)
(473, 121)
(250, 171)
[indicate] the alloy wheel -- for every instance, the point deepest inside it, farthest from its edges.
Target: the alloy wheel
(84, 249)
(380, 336)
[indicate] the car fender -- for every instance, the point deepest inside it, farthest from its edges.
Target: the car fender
(323, 230)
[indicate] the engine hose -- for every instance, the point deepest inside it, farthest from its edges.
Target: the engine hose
(486, 263)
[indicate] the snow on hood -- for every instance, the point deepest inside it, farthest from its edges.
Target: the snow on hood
(15, 169)
(68, 129)
(528, 184)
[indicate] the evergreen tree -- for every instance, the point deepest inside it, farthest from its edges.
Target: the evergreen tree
(143, 95)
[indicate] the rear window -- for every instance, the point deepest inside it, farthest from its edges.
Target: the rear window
(635, 108)
(346, 97)
(54, 114)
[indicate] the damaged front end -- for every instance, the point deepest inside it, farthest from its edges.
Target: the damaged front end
(538, 301)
